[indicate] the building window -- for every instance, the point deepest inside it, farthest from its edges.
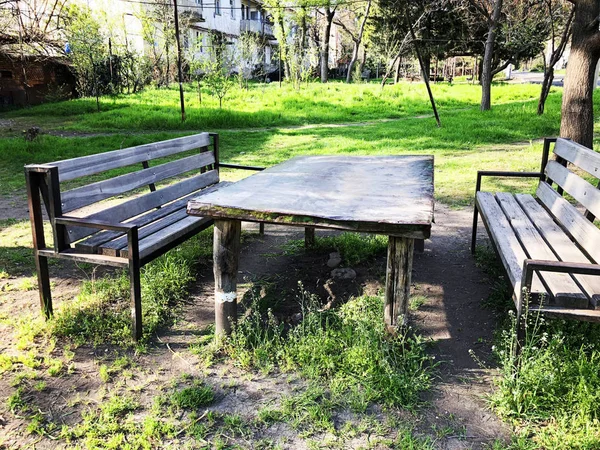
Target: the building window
(232, 6)
(199, 3)
(218, 7)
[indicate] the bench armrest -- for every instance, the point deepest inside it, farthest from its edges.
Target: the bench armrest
(498, 173)
(131, 230)
(237, 166)
(531, 265)
(91, 223)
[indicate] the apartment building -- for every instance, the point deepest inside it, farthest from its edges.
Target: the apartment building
(231, 18)
(198, 18)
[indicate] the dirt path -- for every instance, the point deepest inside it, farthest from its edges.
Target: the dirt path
(451, 316)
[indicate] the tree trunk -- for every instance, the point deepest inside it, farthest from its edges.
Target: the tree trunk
(426, 65)
(486, 72)
(546, 85)
(577, 115)
(325, 49)
(352, 61)
(397, 74)
(357, 42)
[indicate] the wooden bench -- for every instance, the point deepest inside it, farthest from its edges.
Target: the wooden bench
(131, 233)
(549, 247)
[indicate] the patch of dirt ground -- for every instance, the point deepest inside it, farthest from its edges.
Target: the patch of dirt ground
(455, 415)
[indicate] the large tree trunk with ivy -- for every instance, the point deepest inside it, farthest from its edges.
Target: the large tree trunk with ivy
(486, 72)
(577, 115)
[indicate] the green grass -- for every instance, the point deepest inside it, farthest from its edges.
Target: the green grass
(468, 140)
(263, 106)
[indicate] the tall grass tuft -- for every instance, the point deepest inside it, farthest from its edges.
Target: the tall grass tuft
(553, 386)
(349, 349)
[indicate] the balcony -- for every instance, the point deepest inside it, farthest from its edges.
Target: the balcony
(256, 26)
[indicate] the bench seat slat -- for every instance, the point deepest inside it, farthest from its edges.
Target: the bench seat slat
(583, 157)
(586, 315)
(111, 248)
(560, 243)
(570, 219)
(168, 235)
(139, 205)
(93, 243)
(95, 192)
(563, 290)
(574, 185)
(69, 169)
(506, 242)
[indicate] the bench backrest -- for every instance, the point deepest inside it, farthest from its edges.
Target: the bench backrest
(201, 166)
(570, 155)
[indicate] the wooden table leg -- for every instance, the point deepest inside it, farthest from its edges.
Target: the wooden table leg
(420, 245)
(397, 282)
(226, 252)
(309, 237)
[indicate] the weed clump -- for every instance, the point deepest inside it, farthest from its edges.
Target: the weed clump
(552, 389)
(348, 349)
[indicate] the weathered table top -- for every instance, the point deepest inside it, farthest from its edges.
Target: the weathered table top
(378, 194)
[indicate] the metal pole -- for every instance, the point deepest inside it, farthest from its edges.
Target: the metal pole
(181, 98)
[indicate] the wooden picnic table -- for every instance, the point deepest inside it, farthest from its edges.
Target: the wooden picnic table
(390, 195)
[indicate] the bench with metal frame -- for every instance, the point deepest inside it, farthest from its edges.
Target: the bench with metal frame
(131, 233)
(549, 248)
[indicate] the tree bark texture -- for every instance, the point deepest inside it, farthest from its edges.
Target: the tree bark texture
(486, 72)
(226, 255)
(577, 115)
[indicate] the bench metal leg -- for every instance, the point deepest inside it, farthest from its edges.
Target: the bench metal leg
(226, 252)
(309, 237)
(397, 283)
(34, 200)
(474, 235)
(43, 276)
(135, 283)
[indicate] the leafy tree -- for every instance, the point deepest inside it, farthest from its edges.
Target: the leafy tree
(87, 50)
(216, 68)
(560, 16)
(353, 22)
(249, 57)
(158, 30)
